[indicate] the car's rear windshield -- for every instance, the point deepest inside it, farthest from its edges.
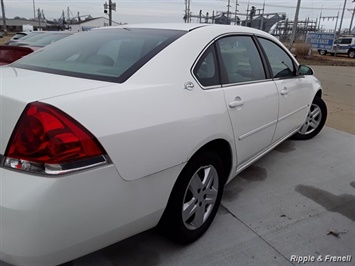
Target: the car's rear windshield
(46, 39)
(104, 54)
(33, 36)
(19, 36)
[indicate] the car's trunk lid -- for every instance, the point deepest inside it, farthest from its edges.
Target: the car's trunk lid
(18, 87)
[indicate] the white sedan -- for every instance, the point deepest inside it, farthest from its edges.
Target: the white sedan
(111, 132)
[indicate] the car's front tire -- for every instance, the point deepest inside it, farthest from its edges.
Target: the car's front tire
(351, 53)
(315, 120)
(322, 52)
(195, 199)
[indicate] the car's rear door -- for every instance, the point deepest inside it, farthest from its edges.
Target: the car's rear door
(251, 97)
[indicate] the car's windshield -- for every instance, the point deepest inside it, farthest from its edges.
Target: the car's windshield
(105, 54)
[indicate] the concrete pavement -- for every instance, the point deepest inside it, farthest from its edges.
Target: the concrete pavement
(298, 202)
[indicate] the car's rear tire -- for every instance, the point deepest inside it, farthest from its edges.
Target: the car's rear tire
(322, 52)
(351, 53)
(195, 199)
(315, 120)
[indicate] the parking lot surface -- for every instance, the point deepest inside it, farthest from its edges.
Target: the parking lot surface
(296, 203)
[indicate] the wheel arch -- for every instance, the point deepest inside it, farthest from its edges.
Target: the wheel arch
(219, 146)
(223, 149)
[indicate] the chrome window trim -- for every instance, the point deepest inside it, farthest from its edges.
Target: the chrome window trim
(246, 83)
(208, 46)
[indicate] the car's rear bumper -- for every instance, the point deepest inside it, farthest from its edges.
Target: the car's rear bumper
(48, 221)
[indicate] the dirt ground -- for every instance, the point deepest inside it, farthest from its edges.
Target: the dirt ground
(4, 39)
(327, 60)
(337, 75)
(338, 84)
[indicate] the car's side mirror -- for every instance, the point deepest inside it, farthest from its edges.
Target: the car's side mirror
(305, 70)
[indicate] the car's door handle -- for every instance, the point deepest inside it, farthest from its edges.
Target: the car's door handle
(238, 102)
(285, 91)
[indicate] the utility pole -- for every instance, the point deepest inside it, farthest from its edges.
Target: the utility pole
(3, 17)
(39, 18)
(228, 8)
(342, 17)
(352, 19)
(187, 16)
(236, 11)
(294, 28)
(110, 13)
(262, 18)
(246, 20)
(110, 6)
(336, 23)
(34, 9)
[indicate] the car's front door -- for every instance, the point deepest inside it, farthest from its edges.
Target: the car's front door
(293, 89)
(251, 98)
(341, 46)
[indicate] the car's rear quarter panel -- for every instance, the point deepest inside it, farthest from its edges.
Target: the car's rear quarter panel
(52, 220)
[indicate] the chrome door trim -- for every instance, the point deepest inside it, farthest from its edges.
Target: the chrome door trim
(257, 130)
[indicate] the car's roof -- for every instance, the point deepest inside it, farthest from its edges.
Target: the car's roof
(166, 26)
(189, 27)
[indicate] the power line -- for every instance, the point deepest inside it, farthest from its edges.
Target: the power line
(289, 6)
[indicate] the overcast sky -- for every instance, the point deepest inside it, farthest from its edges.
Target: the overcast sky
(140, 11)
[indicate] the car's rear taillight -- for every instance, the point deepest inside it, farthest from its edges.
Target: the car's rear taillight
(48, 141)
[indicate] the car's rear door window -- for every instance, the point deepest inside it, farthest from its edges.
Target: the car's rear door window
(206, 70)
(240, 60)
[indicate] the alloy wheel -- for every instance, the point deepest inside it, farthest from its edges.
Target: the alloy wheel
(200, 197)
(313, 120)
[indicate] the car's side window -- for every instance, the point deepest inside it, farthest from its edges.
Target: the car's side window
(281, 63)
(241, 60)
(345, 41)
(206, 70)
